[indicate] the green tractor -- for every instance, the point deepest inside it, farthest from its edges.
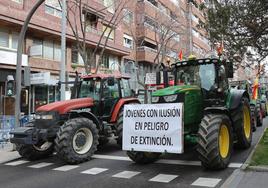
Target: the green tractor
(216, 117)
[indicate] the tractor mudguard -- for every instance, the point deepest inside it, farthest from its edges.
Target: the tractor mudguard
(216, 110)
(87, 114)
(234, 98)
(119, 105)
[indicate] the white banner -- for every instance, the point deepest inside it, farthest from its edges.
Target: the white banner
(153, 127)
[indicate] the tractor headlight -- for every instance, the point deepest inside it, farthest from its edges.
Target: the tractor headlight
(170, 98)
(155, 99)
(37, 116)
(47, 116)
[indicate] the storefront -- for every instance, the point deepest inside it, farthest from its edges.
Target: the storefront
(44, 89)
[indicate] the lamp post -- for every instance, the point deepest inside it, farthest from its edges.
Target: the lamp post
(19, 59)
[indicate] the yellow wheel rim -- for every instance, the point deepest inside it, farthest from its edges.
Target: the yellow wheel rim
(224, 141)
(247, 126)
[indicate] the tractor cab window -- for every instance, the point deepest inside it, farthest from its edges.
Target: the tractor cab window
(90, 88)
(187, 75)
(110, 91)
(207, 76)
(125, 88)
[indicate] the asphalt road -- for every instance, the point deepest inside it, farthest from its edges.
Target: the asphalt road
(112, 168)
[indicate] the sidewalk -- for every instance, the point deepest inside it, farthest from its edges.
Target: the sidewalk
(247, 179)
(7, 153)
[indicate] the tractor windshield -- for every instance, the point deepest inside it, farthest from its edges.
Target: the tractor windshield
(90, 88)
(201, 75)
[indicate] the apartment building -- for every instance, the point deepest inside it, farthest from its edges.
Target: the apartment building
(137, 38)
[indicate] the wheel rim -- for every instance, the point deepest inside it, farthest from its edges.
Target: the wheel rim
(82, 140)
(246, 122)
(43, 146)
(224, 141)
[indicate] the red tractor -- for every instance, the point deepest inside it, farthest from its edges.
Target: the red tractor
(74, 128)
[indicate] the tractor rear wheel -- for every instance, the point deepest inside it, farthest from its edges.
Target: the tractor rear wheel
(215, 141)
(259, 119)
(143, 157)
(76, 140)
(35, 152)
(120, 128)
(242, 125)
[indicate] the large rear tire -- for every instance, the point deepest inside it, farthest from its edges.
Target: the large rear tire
(215, 141)
(242, 125)
(77, 140)
(119, 127)
(143, 157)
(35, 152)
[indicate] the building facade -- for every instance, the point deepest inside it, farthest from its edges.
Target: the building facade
(135, 45)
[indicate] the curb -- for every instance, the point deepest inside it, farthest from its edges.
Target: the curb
(258, 168)
(247, 162)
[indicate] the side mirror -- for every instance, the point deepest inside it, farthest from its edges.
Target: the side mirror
(158, 78)
(230, 70)
(111, 81)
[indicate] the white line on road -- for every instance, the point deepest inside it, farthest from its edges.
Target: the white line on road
(163, 161)
(15, 163)
(126, 174)
(206, 182)
(66, 168)
(164, 178)
(94, 171)
(40, 165)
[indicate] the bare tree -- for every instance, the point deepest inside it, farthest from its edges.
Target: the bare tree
(83, 23)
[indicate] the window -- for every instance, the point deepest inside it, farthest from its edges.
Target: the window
(47, 49)
(76, 57)
(195, 33)
(91, 21)
(195, 18)
(175, 2)
(125, 88)
(177, 37)
(110, 5)
(8, 39)
(18, 1)
(128, 41)
(128, 16)
(53, 7)
(108, 32)
(153, 2)
(150, 22)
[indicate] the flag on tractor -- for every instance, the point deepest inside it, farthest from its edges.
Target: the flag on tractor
(255, 89)
(220, 49)
(180, 55)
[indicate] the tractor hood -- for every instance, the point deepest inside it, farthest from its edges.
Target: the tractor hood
(175, 90)
(63, 107)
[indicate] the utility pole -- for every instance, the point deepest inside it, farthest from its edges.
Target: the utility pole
(190, 27)
(19, 59)
(63, 50)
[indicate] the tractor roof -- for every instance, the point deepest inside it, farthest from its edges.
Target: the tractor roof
(195, 62)
(103, 75)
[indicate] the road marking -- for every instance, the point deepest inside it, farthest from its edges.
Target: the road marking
(162, 161)
(235, 165)
(94, 171)
(112, 157)
(15, 163)
(206, 182)
(126, 174)
(40, 165)
(164, 178)
(66, 168)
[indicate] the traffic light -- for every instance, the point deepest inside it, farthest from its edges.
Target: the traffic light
(10, 86)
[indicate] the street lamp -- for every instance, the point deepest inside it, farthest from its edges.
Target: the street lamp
(19, 59)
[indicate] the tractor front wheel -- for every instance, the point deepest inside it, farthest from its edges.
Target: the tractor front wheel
(215, 141)
(35, 152)
(143, 157)
(77, 140)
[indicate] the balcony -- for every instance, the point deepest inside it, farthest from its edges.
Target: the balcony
(146, 54)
